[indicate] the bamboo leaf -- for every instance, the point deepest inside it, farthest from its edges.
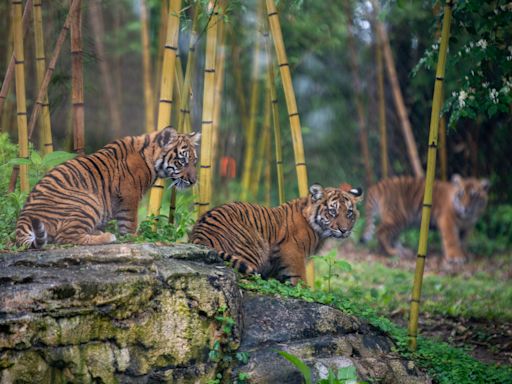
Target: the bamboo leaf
(55, 158)
(301, 366)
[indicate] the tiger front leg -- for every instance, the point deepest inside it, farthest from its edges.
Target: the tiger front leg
(293, 264)
(452, 244)
(127, 219)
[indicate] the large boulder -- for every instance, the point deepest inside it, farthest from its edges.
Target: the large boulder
(323, 337)
(138, 313)
(115, 313)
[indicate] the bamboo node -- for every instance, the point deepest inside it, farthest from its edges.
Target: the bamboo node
(205, 166)
(166, 101)
(421, 256)
(207, 122)
(427, 205)
(210, 70)
(167, 46)
(293, 114)
(272, 14)
(300, 164)
(433, 145)
(415, 300)
(158, 186)
(440, 78)
(284, 65)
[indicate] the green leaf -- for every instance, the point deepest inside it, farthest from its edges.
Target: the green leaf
(57, 157)
(301, 366)
(347, 373)
(344, 265)
(19, 161)
(36, 158)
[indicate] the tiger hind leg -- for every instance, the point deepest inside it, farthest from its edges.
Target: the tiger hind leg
(82, 238)
(239, 263)
(387, 234)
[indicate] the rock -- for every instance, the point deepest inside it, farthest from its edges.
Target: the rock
(138, 313)
(322, 337)
(115, 313)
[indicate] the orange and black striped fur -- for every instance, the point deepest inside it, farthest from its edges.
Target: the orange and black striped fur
(275, 242)
(74, 201)
(398, 201)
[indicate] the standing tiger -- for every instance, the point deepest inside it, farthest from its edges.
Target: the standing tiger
(275, 242)
(456, 206)
(75, 200)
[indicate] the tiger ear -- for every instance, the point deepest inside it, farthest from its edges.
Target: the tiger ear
(486, 184)
(166, 137)
(316, 191)
(357, 193)
(456, 179)
(345, 187)
(194, 137)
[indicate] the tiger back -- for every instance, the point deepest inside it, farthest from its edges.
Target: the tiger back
(73, 202)
(275, 242)
(397, 202)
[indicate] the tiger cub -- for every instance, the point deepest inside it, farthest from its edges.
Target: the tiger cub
(75, 200)
(275, 242)
(398, 201)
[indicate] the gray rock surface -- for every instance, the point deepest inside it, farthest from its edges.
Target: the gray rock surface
(321, 336)
(114, 313)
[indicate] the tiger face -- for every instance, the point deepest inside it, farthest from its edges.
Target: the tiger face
(332, 212)
(178, 158)
(470, 197)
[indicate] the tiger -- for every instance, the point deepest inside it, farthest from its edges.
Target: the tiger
(74, 201)
(275, 242)
(398, 201)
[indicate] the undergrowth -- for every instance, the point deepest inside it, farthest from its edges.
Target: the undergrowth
(444, 363)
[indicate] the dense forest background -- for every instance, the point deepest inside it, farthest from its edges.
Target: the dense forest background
(317, 35)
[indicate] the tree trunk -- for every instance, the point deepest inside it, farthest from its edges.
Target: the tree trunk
(405, 124)
(98, 30)
(77, 83)
(361, 119)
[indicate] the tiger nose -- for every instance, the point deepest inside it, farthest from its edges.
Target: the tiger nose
(192, 175)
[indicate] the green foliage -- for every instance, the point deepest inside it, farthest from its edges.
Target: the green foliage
(443, 362)
(333, 265)
(299, 364)
(10, 207)
(8, 151)
(493, 232)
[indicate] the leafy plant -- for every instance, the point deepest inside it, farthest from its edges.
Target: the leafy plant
(11, 205)
(345, 375)
(333, 264)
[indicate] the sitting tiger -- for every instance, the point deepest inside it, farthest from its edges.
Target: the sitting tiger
(275, 242)
(398, 201)
(75, 200)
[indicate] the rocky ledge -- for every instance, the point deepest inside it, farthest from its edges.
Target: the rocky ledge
(139, 313)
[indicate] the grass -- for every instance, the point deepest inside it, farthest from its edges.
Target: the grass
(388, 290)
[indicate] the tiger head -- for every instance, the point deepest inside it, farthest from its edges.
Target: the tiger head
(176, 158)
(332, 212)
(469, 197)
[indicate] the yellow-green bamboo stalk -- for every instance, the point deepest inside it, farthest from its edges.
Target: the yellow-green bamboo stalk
(44, 120)
(21, 106)
(293, 114)
(443, 159)
(9, 73)
(184, 124)
(253, 112)
(149, 105)
(6, 118)
(429, 181)
(205, 171)
(237, 73)
(219, 86)
(43, 88)
(166, 88)
(268, 173)
(262, 145)
(275, 121)
(77, 83)
(164, 12)
(382, 109)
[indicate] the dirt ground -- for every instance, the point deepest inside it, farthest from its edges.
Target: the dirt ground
(486, 340)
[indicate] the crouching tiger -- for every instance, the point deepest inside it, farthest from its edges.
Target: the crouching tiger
(75, 200)
(456, 206)
(275, 242)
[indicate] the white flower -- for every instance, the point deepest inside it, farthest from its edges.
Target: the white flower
(482, 43)
(485, 84)
(493, 95)
(462, 97)
(435, 46)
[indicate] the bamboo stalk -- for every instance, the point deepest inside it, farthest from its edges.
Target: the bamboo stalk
(44, 120)
(77, 83)
(293, 114)
(429, 181)
(9, 73)
(219, 86)
(253, 111)
(166, 97)
(443, 159)
(405, 124)
(268, 173)
(275, 121)
(361, 116)
(262, 145)
(184, 124)
(162, 31)
(149, 106)
(6, 118)
(98, 29)
(205, 173)
(384, 160)
(239, 81)
(21, 106)
(43, 88)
